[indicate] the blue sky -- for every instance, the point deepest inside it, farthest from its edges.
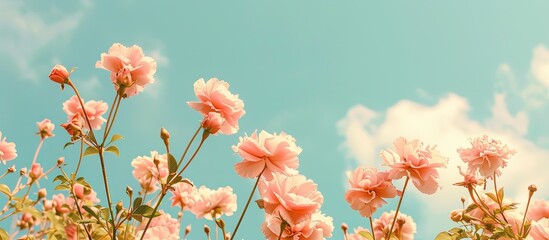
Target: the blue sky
(344, 78)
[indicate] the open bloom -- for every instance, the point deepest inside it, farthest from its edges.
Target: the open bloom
(7, 150)
(93, 109)
(538, 209)
(183, 194)
(367, 189)
(470, 179)
(148, 173)
(295, 198)
(45, 128)
(412, 159)
(210, 203)
(317, 227)
(486, 155)
(163, 227)
(275, 152)
(214, 96)
(87, 195)
(404, 228)
(129, 68)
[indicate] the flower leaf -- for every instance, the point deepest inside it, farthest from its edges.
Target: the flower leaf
(172, 163)
(4, 234)
(90, 151)
(115, 138)
(145, 211)
(366, 235)
(114, 150)
(5, 190)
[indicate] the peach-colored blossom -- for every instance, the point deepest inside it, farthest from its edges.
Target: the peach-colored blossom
(62, 204)
(147, 173)
(356, 235)
(367, 189)
(129, 68)
(419, 162)
(209, 202)
(277, 152)
(486, 155)
(36, 171)
(295, 198)
(213, 122)
(404, 228)
(182, 195)
(470, 179)
(59, 74)
(94, 111)
(538, 209)
(540, 229)
(45, 128)
(74, 127)
(7, 150)
(163, 227)
(317, 227)
(214, 96)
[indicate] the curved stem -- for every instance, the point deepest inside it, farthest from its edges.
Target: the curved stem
(204, 136)
(398, 207)
(106, 183)
(248, 203)
(79, 158)
(188, 146)
(37, 151)
(110, 114)
(153, 213)
(525, 212)
(499, 200)
(83, 107)
(106, 134)
(371, 227)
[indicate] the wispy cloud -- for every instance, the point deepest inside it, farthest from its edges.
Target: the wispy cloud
(25, 33)
(448, 125)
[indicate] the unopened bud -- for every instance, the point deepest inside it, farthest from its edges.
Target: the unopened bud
(227, 236)
(187, 230)
(12, 169)
(42, 193)
(23, 171)
(156, 161)
(119, 206)
(456, 215)
(401, 221)
(60, 161)
(463, 200)
(165, 135)
(344, 227)
(220, 223)
(207, 230)
(129, 190)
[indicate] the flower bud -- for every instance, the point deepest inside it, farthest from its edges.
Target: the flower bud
(119, 206)
(212, 123)
(165, 136)
(532, 188)
(36, 171)
(59, 74)
(187, 230)
(60, 161)
(23, 171)
(456, 215)
(45, 128)
(48, 205)
(344, 227)
(42, 193)
(207, 229)
(462, 199)
(12, 169)
(79, 190)
(129, 190)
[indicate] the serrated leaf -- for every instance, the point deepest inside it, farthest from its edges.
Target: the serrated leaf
(172, 164)
(115, 138)
(67, 144)
(5, 190)
(90, 151)
(366, 235)
(145, 211)
(4, 234)
(114, 150)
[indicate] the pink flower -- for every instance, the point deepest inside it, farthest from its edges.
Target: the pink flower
(404, 228)
(210, 203)
(36, 171)
(94, 111)
(59, 74)
(295, 198)
(129, 68)
(213, 122)
(412, 159)
(7, 150)
(214, 96)
(163, 227)
(367, 189)
(182, 195)
(62, 204)
(74, 127)
(45, 128)
(276, 152)
(538, 209)
(470, 179)
(356, 235)
(540, 229)
(147, 173)
(486, 155)
(317, 227)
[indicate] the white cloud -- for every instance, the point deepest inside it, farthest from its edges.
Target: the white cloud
(448, 125)
(161, 59)
(540, 65)
(25, 33)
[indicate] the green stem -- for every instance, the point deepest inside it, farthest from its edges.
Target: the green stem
(83, 108)
(204, 136)
(371, 227)
(110, 114)
(525, 212)
(106, 134)
(398, 207)
(79, 158)
(37, 151)
(188, 146)
(104, 172)
(499, 200)
(153, 213)
(248, 203)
